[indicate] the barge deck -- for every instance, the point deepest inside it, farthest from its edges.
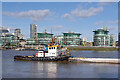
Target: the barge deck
(95, 60)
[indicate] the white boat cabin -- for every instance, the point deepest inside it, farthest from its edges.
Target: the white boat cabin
(51, 51)
(40, 54)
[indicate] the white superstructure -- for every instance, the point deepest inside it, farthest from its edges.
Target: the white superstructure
(51, 51)
(40, 54)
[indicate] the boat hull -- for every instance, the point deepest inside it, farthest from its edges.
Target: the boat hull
(27, 58)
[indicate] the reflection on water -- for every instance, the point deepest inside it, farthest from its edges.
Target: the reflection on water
(49, 67)
(37, 69)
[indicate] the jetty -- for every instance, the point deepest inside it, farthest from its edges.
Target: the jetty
(94, 60)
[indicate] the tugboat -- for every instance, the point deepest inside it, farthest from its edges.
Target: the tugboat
(51, 53)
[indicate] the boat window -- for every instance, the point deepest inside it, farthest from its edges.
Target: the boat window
(52, 47)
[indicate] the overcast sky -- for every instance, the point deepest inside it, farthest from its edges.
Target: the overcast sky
(80, 17)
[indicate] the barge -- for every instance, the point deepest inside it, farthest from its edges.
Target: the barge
(95, 60)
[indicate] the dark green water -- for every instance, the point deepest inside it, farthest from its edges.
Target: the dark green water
(36, 69)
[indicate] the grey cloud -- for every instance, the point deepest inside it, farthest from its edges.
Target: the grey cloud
(86, 12)
(35, 15)
(68, 16)
(82, 13)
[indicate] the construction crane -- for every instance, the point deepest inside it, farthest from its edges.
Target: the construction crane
(54, 39)
(65, 41)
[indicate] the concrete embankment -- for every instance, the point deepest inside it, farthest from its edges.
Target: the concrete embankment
(95, 60)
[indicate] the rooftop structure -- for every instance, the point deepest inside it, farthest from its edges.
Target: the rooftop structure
(4, 30)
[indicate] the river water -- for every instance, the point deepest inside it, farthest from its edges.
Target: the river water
(37, 69)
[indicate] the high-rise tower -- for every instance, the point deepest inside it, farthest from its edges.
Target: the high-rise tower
(33, 31)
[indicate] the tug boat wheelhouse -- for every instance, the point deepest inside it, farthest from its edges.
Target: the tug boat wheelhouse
(51, 53)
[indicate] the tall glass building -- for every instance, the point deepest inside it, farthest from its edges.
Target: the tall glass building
(33, 31)
(102, 38)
